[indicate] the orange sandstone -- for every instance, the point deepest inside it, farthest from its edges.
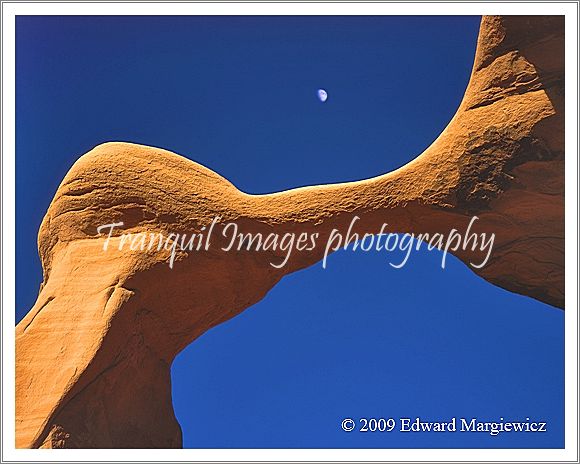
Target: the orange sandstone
(93, 355)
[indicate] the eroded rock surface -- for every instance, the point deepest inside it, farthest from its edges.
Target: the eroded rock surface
(93, 355)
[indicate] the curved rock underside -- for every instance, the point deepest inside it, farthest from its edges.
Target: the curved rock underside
(93, 355)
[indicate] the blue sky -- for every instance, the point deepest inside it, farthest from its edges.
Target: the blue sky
(359, 339)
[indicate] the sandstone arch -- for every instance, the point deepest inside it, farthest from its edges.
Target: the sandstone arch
(93, 355)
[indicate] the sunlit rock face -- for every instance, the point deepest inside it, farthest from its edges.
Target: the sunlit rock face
(93, 355)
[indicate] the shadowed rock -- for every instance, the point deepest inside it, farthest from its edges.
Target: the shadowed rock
(93, 355)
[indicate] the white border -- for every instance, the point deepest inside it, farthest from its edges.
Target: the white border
(10, 10)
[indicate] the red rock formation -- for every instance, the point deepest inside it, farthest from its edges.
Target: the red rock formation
(94, 353)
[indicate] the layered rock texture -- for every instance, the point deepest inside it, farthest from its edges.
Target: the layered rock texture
(93, 355)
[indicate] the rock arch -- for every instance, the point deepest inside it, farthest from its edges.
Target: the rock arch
(93, 355)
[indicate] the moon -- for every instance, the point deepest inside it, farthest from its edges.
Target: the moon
(322, 95)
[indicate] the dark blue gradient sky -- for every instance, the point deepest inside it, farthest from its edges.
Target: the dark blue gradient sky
(359, 339)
